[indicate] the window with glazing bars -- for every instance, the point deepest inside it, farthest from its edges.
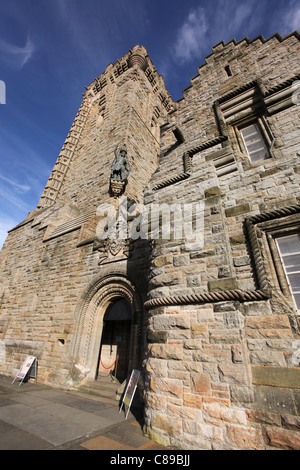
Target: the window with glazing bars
(289, 250)
(254, 142)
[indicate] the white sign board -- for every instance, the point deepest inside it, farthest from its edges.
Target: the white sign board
(130, 390)
(28, 366)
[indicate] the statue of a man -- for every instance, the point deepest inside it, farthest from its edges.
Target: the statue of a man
(120, 169)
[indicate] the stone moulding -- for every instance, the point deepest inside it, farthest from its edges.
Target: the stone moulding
(61, 167)
(262, 293)
(264, 94)
(187, 168)
(111, 285)
(212, 297)
(187, 162)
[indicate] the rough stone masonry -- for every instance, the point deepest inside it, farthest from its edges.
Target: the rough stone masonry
(212, 323)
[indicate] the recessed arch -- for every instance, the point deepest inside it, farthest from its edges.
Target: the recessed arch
(115, 348)
(91, 310)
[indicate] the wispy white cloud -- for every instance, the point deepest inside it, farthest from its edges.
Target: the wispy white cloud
(18, 187)
(241, 14)
(191, 35)
(290, 19)
(16, 56)
(22, 180)
(207, 25)
(10, 198)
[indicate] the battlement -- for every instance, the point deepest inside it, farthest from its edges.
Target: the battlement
(246, 40)
(235, 60)
(138, 58)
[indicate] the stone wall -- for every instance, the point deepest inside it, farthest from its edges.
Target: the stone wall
(214, 328)
(221, 367)
(53, 266)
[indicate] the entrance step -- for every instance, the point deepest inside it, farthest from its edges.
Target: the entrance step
(104, 388)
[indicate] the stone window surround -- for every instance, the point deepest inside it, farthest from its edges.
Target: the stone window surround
(241, 109)
(258, 229)
(264, 100)
(266, 135)
(267, 232)
(253, 103)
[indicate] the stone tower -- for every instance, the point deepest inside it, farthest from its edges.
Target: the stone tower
(210, 315)
(65, 268)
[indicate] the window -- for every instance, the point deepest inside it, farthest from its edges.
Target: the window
(274, 242)
(254, 143)
(289, 250)
(228, 70)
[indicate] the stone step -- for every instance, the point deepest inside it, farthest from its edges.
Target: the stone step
(105, 389)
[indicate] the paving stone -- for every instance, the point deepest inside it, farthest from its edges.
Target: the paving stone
(105, 443)
(29, 421)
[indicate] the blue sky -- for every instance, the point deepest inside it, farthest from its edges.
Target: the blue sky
(51, 49)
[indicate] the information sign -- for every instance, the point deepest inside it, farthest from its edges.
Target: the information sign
(29, 367)
(130, 390)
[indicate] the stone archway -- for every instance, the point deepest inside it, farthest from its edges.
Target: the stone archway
(94, 304)
(115, 347)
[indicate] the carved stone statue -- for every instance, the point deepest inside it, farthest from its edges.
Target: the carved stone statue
(119, 172)
(120, 169)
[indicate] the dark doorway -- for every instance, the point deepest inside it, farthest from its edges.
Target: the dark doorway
(115, 341)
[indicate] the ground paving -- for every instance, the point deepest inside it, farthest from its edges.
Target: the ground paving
(37, 417)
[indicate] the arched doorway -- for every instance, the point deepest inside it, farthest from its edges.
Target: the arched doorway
(115, 341)
(97, 307)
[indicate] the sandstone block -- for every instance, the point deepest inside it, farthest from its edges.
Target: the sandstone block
(192, 400)
(282, 438)
(283, 377)
(156, 367)
(171, 426)
(233, 373)
(245, 438)
(199, 330)
(264, 417)
(237, 210)
(201, 384)
(163, 261)
(213, 191)
(267, 322)
(224, 413)
(167, 322)
(237, 239)
(167, 279)
(157, 336)
(222, 284)
(167, 351)
(167, 387)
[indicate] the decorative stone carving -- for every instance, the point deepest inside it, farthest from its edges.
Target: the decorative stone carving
(137, 60)
(90, 318)
(119, 172)
(112, 249)
(117, 187)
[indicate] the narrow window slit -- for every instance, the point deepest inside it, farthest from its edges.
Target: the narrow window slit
(228, 70)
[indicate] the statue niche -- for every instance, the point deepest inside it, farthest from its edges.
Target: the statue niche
(119, 172)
